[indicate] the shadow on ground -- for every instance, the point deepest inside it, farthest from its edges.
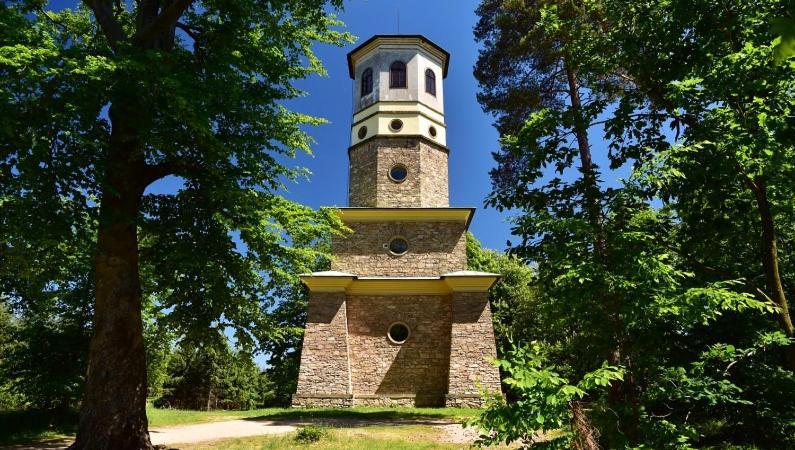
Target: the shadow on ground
(18, 427)
(390, 417)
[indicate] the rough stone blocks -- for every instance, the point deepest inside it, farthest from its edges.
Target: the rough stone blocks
(434, 248)
(426, 184)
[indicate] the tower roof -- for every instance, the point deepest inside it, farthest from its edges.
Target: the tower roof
(374, 41)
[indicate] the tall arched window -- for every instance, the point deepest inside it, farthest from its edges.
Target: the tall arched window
(367, 82)
(397, 75)
(430, 82)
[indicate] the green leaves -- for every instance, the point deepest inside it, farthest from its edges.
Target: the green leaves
(203, 107)
(655, 271)
(542, 413)
(784, 44)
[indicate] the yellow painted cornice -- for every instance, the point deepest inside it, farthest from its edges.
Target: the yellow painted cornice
(463, 215)
(442, 285)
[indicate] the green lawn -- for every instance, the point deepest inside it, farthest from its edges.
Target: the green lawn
(28, 426)
(403, 437)
(166, 417)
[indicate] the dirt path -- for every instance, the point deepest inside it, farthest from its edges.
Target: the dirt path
(211, 431)
(187, 434)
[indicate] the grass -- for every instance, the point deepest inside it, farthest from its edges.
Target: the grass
(31, 426)
(168, 417)
(403, 437)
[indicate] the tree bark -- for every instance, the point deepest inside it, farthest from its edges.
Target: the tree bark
(770, 265)
(113, 411)
(586, 165)
(620, 392)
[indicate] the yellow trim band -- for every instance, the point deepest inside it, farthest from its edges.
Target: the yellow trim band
(463, 215)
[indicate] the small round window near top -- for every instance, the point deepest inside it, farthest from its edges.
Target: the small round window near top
(398, 332)
(396, 125)
(398, 246)
(432, 131)
(398, 173)
(362, 132)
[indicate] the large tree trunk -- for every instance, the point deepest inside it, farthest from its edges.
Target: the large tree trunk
(113, 411)
(770, 264)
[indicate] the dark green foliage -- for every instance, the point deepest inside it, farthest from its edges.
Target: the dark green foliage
(514, 298)
(211, 375)
(9, 400)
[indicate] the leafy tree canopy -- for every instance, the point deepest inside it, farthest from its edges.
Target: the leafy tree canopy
(102, 100)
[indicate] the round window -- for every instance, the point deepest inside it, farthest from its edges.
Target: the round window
(398, 173)
(396, 125)
(432, 131)
(398, 332)
(362, 132)
(398, 246)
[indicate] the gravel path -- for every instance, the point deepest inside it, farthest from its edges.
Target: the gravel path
(455, 433)
(187, 434)
(203, 432)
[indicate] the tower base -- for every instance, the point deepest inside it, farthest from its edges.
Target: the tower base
(348, 400)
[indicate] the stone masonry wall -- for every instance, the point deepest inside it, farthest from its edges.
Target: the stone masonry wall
(434, 190)
(426, 184)
(435, 248)
(472, 348)
(419, 366)
(324, 357)
(388, 192)
(361, 176)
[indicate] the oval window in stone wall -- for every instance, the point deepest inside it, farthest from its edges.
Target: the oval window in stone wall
(398, 246)
(432, 131)
(396, 125)
(398, 173)
(362, 132)
(398, 332)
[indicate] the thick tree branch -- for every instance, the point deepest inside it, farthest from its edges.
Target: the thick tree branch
(111, 28)
(146, 13)
(165, 21)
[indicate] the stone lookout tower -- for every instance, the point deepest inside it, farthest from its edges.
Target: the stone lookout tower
(398, 320)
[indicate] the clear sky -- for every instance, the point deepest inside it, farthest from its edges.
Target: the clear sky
(470, 136)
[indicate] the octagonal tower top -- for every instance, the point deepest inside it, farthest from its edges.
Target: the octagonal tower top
(398, 77)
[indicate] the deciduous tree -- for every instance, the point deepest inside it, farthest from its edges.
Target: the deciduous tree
(101, 102)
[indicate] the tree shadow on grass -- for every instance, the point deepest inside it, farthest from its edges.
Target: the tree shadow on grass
(359, 418)
(27, 426)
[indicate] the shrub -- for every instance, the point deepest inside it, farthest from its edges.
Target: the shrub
(310, 433)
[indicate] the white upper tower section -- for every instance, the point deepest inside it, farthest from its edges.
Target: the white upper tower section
(398, 89)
